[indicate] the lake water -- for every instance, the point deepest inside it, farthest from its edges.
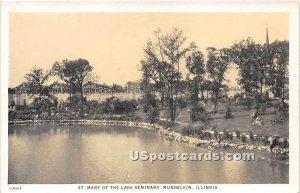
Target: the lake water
(68, 154)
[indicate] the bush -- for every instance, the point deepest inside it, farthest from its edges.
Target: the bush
(228, 113)
(267, 95)
(152, 115)
(125, 106)
(182, 103)
(259, 98)
(244, 138)
(116, 106)
(149, 101)
(73, 102)
(230, 136)
(262, 109)
(208, 135)
(190, 131)
(278, 117)
(285, 143)
(225, 134)
(238, 134)
(93, 107)
(251, 136)
(198, 113)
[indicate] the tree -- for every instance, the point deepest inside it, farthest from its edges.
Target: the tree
(74, 73)
(217, 63)
(161, 65)
(277, 74)
(195, 78)
(36, 80)
(43, 99)
(64, 71)
(251, 60)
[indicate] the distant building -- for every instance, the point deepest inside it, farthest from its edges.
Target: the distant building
(134, 86)
(92, 87)
(23, 88)
(57, 87)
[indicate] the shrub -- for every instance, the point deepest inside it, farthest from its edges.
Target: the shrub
(244, 138)
(230, 136)
(153, 115)
(278, 117)
(198, 113)
(186, 131)
(192, 131)
(251, 136)
(238, 134)
(73, 102)
(259, 98)
(208, 135)
(182, 103)
(125, 106)
(228, 113)
(285, 143)
(225, 134)
(93, 106)
(148, 101)
(267, 95)
(262, 109)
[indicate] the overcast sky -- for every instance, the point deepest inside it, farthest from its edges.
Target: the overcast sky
(113, 42)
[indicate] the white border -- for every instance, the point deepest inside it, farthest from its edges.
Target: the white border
(160, 6)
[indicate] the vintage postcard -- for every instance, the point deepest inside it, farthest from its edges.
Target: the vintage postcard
(154, 96)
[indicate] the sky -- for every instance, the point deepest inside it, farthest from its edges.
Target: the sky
(113, 42)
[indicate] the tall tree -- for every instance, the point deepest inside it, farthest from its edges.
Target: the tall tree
(251, 61)
(162, 59)
(277, 74)
(36, 80)
(217, 64)
(64, 72)
(195, 77)
(43, 99)
(74, 73)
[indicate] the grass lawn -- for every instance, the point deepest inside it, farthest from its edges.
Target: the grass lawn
(241, 120)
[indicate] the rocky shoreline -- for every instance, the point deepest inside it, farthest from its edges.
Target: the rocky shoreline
(168, 133)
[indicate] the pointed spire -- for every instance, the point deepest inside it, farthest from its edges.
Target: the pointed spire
(267, 44)
(267, 36)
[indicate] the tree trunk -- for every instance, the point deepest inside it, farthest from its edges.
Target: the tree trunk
(70, 97)
(172, 109)
(175, 108)
(162, 100)
(261, 86)
(81, 96)
(216, 102)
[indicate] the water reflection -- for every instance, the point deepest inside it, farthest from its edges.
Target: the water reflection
(100, 154)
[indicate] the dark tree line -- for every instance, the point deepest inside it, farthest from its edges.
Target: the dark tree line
(260, 66)
(73, 72)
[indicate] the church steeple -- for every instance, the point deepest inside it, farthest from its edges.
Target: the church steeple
(267, 44)
(267, 36)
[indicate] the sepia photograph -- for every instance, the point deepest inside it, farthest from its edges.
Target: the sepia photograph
(192, 99)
